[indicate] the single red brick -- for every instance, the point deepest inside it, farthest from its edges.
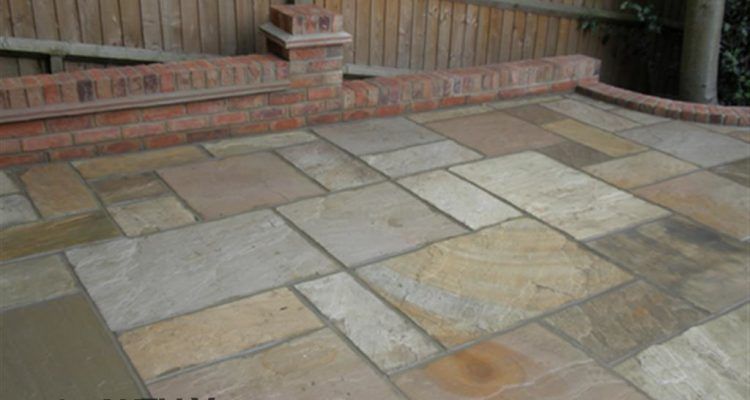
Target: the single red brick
(480, 98)
(8, 146)
(118, 117)
(184, 124)
(359, 114)
(268, 113)
(165, 112)
(307, 108)
(71, 153)
(141, 130)
(206, 107)
(67, 124)
(307, 53)
(21, 129)
(165, 140)
(46, 142)
(96, 135)
(230, 118)
(325, 92)
(286, 97)
(425, 105)
(203, 136)
(324, 118)
(249, 129)
(248, 102)
(452, 101)
(289, 123)
(21, 159)
(386, 111)
(124, 146)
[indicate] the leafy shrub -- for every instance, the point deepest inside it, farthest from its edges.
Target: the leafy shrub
(734, 59)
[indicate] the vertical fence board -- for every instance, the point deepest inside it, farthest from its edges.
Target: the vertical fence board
(132, 34)
(458, 31)
(208, 17)
(470, 35)
(405, 25)
(483, 34)
(190, 26)
(170, 25)
(529, 35)
(376, 32)
(111, 22)
(227, 28)
(245, 26)
(444, 34)
(419, 16)
(519, 25)
(362, 33)
(151, 22)
(431, 34)
(390, 44)
(349, 11)
(67, 16)
(45, 20)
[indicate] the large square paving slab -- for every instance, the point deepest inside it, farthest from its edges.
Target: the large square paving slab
(316, 366)
(591, 115)
(473, 285)
(709, 361)
(529, 363)
(237, 184)
(707, 198)
(137, 281)
(690, 143)
(561, 196)
(362, 225)
(496, 133)
(377, 135)
(60, 350)
(56, 189)
(696, 263)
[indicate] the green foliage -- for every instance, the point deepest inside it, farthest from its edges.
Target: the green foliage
(734, 60)
(645, 14)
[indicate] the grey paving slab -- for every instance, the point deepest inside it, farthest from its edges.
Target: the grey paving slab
(738, 171)
(420, 158)
(34, 280)
(151, 215)
(591, 115)
(640, 169)
(642, 118)
(231, 147)
(438, 115)
(7, 186)
(179, 271)
(15, 209)
(125, 188)
(377, 135)
(574, 154)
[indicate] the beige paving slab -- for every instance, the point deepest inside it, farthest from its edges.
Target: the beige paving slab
(249, 144)
(738, 171)
(43, 236)
(561, 196)
(741, 135)
(420, 158)
(707, 198)
(377, 135)
(591, 115)
(233, 185)
(722, 128)
(34, 280)
(706, 362)
(384, 336)
(701, 266)
(495, 133)
(125, 188)
(151, 216)
(437, 115)
(574, 154)
(621, 321)
(56, 189)
(592, 101)
(459, 199)
(598, 139)
(365, 224)
(317, 366)
(7, 185)
(59, 350)
(179, 271)
(640, 169)
(473, 285)
(138, 162)
(217, 332)
(16, 209)
(690, 143)
(535, 114)
(528, 363)
(641, 118)
(330, 166)
(500, 105)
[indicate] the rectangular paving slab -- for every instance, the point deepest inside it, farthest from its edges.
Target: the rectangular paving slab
(473, 285)
(16, 209)
(640, 169)
(124, 188)
(217, 332)
(528, 363)
(138, 162)
(384, 336)
(152, 215)
(316, 366)
(231, 147)
(60, 350)
(7, 185)
(362, 225)
(574, 154)
(591, 115)
(709, 361)
(738, 171)
(179, 271)
(437, 115)
(420, 158)
(377, 135)
(56, 189)
(605, 142)
(42, 236)
(535, 114)
(561, 196)
(34, 280)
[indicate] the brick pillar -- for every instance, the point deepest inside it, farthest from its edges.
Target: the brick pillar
(311, 39)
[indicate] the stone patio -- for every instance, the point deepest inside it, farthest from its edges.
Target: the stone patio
(549, 247)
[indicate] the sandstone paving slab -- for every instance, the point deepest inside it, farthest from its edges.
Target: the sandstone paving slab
(138, 162)
(377, 135)
(561, 196)
(151, 216)
(7, 186)
(501, 105)
(574, 154)
(738, 171)
(437, 115)
(605, 142)
(640, 169)
(697, 264)
(592, 101)
(316, 366)
(329, 166)
(362, 225)
(142, 280)
(384, 336)
(473, 285)
(725, 129)
(16, 209)
(535, 114)
(125, 188)
(231, 147)
(42, 236)
(612, 325)
(214, 333)
(528, 363)
(591, 115)
(707, 198)
(34, 280)
(709, 361)
(420, 158)
(641, 118)
(56, 189)
(741, 135)
(690, 143)
(459, 199)
(233, 185)
(59, 350)
(495, 133)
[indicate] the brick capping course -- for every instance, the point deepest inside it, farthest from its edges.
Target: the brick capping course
(696, 112)
(313, 93)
